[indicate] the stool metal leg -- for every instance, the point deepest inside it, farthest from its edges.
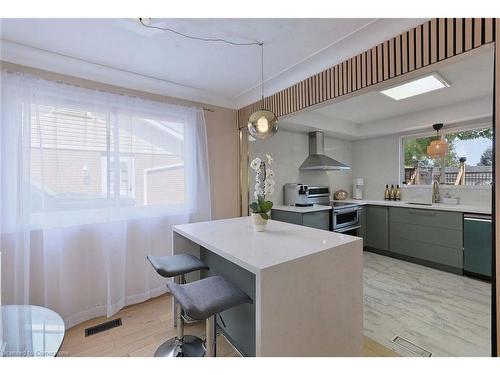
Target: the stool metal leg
(181, 346)
(211, 346)
(180, 322)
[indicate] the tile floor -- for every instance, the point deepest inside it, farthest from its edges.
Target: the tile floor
(446, 314)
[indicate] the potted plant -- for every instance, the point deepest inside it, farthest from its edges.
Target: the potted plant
(264, 186)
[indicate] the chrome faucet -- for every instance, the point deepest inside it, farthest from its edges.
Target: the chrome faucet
(436, 197)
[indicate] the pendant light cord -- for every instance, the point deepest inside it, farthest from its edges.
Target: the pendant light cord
(256, 43)
(220, 40)
(262, 71)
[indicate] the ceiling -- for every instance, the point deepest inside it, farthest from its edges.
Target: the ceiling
(121, 51)
(374, 114)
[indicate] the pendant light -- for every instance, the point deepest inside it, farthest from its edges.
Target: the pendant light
(263, 123)
(438, 148)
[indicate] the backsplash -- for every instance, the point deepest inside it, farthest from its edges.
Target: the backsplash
(467, 195)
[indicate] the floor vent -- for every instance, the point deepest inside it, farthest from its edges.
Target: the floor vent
(103, 327)
(411, 348)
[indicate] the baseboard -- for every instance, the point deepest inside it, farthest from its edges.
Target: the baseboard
(477, 276)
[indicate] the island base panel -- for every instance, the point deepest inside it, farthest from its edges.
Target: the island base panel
(313, 306)
(240, 320)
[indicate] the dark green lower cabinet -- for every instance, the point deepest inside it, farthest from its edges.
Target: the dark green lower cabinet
(477, 246)
(429, 237)
(316, 219)
(362, 222)
(429, 254)
(377, 227)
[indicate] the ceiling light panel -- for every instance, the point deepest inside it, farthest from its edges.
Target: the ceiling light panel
(416, 87)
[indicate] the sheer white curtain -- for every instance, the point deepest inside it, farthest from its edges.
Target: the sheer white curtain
(91, 183)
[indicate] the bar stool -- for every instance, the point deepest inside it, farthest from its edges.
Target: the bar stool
(177, 266)
(204, 299)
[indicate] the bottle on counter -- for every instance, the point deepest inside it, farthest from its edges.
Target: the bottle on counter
(398, 193)
(393, 193)
(387, 193)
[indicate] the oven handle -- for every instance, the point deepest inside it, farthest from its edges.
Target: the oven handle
(346, 229)
(346, 210)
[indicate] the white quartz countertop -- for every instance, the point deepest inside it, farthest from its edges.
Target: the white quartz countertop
(435, 206)
(236, 240)
(302, 210)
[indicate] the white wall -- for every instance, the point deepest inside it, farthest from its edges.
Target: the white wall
(289, 150)
(377, 161)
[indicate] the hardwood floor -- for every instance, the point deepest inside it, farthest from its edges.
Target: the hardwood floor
(145, 326)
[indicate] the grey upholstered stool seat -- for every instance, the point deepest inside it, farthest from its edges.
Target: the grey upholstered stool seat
(174, 265)
(205, 298)
(177, 266)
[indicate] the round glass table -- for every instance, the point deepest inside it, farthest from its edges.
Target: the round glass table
(30, 331)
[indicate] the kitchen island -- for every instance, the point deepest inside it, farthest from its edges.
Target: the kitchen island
(306, 284)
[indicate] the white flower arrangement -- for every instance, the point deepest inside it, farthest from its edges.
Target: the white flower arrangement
(255, 164)
(264, 186)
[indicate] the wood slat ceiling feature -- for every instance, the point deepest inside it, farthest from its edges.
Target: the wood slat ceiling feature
(426, 44)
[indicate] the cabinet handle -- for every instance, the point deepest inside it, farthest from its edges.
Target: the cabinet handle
(423, 212)
(476, 219)
(342, 230)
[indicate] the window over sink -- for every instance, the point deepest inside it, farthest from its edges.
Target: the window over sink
(473, 144)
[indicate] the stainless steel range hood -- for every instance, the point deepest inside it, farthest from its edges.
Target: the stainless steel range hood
(317, 161)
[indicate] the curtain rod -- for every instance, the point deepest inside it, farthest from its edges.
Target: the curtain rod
(102, 90)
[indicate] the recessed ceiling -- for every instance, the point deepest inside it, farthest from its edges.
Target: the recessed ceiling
(220, 73)
(470, 95)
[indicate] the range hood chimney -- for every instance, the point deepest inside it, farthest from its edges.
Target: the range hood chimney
(317, 161)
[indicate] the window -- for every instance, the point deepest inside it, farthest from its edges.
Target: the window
(475, 145)
(126, 176)
(84, 156)
(66, 147)
(70, 148)
(159, 152)
(73, 156)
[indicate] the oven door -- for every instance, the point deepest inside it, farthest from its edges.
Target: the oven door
(345, 218)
